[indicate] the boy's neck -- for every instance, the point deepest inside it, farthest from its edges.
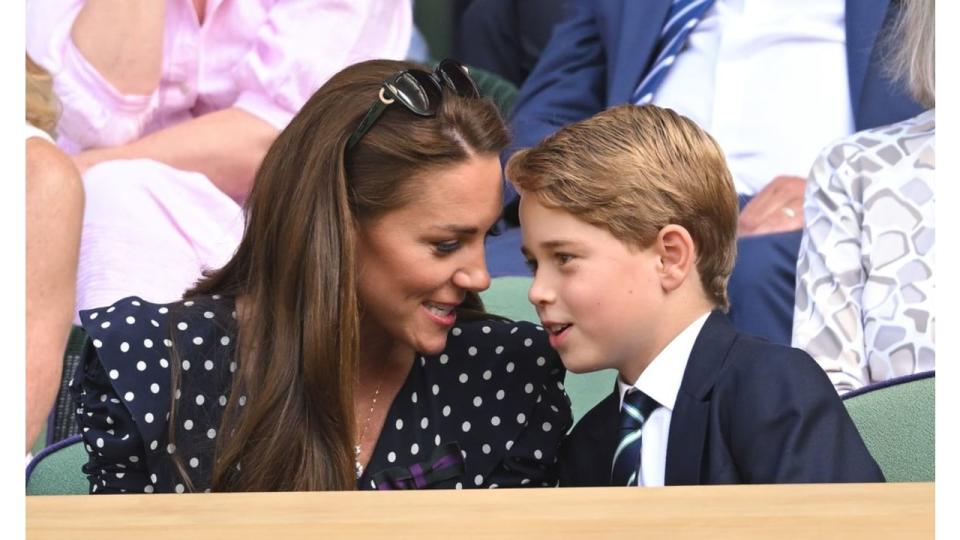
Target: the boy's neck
(677, 315)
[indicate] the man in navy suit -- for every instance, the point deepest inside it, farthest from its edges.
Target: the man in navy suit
(629, 223)
(773, 80)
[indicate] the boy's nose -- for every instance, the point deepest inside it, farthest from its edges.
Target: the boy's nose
(539, 293)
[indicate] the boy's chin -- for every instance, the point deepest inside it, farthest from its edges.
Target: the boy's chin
(575, 364)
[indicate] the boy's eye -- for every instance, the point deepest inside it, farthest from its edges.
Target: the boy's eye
(531, 265)
(563, 258)
(447, 247)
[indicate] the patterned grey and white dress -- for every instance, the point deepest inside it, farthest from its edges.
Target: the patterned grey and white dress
(864, 305)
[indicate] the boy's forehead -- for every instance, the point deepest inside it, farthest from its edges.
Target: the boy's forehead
(548, 227)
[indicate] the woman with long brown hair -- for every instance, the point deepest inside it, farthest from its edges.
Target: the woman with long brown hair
(344, 345)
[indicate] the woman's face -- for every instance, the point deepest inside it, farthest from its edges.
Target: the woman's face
(417, 263)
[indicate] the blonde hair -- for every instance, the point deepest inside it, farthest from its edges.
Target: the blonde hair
(633, 170)
(42, 106)
(912, 43)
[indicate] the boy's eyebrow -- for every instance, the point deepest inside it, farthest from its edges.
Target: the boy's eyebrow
(548, 245)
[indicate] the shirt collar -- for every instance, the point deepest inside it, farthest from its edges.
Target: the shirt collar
(661, 379)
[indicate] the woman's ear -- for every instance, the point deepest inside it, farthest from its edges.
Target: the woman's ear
(677, 255)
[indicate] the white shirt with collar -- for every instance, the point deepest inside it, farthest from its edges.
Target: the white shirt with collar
(661, 381)
(768, 80)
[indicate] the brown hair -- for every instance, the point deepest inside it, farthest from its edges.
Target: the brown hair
(633, 170)
(297, 351)
(912, 43)
(42, 107)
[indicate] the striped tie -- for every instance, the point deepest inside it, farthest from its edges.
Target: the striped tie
(637, 407)
(682, 18)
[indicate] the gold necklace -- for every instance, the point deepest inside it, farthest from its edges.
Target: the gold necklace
(358, 467)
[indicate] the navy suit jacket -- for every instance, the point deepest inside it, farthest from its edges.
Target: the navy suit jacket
(600, 52)
(748, 412)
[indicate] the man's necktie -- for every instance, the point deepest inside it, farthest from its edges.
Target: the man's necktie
(637, 407)
(682, 18)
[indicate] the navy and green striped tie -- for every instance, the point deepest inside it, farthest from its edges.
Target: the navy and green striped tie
(637, 407)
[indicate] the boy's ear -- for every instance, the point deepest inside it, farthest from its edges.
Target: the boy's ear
(677, 255)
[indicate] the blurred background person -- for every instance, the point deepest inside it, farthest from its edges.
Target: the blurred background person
(865, 282)
(54, 213)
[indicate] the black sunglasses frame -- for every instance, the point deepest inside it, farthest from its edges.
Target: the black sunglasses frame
(419, 91)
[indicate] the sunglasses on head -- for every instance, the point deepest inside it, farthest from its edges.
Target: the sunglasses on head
(421, 92)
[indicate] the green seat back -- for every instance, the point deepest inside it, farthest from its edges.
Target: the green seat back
(896, 422)
(56, 470)
(507, 296)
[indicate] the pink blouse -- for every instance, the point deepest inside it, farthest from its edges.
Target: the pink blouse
(266, 57)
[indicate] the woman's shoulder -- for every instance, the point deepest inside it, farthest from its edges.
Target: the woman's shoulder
(515, 347)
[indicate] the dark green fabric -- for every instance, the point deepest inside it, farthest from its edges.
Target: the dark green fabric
(495, 87)
(507, 296)
(897, 424)
(59, 473)
(434, 18)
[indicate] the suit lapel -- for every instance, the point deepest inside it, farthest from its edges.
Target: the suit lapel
(863, 20)
(691, 414)
(601, 437)
(640, 24)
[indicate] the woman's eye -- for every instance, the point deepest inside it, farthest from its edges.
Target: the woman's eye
(447, 247)
(494, 230)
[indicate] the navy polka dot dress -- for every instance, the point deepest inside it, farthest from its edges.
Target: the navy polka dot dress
(489, 411)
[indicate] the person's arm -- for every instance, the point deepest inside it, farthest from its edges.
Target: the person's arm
(227, 146)
(568, 83)
(54, 213)
(123, 41)
(828, 318)
(776, 208)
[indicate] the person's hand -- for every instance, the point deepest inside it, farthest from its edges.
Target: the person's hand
(777, 208)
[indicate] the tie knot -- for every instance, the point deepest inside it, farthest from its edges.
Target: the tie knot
(637, 407)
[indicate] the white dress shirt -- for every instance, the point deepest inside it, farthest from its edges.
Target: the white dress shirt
(768, 80)
(661, 381)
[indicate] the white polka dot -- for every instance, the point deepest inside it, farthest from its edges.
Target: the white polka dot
(528, 388)
(155, 323)
(171, 448)
(179, 488)
(177, 394)
(208, 365)
(472, 351)
(94, 315)
(185, 365)
(444, 358)
(524, 482)
(148, 417)
(128, 396)
(465, 426)
(134, 459)
(225, 341)
(200, 399)
(141, 365)
(188, 424)
(208, 314)
(510, 367)
(500, 394)
(97, 343)
(233, 367)
(527, 342)
(487, 375)
(188, 303)
(456, 331)
(111, 309)
(547, 426)
(242, 401)
(424, 422)
(391, 457)
(463, 377)
(413, 397)
(495, 420)
(153, 478)
(446, 410)
(198, 340)
(124, 347)
(435, 389)
(486, 448)
(538, 454)
(162, 310)
(485, 329)
(436, 440)
(477, 401)
(194, 462)
(114, 374)
(478, 479)
(146, 489)
(459, 485)
(222, 401)
(211, 433)
(167, 343)
(513, 330)
(164, 363)
(130, 319)
(182, 325)
(509, 445)
(99, 442)
(414, 449)
(399, 423)
(499, 349)
(541, 361)
(521, 418)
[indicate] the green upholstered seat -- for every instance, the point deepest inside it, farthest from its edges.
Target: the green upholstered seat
(56, 470)
(507, 296)
(896, 421)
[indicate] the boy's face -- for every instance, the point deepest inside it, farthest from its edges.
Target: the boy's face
(597, 297)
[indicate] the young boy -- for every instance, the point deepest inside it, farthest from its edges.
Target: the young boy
(629, 224)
